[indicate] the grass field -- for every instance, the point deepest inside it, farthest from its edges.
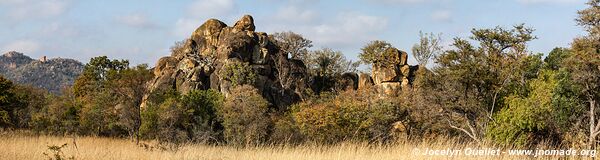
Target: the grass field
(17, 146)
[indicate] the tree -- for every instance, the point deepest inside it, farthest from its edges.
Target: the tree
(110, 92)
(428, 46)
(244, 116)
(6, 102)
(201, 119)
(129, 86)
(585, 64)
(476, 78)
(376, 51)
(589, 19)
(238, 73)
(556, 58)
(96, 73)
(325, 66)
(539, 116)
(328, 62)
(293, 44)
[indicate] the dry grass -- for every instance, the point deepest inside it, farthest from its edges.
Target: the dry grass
(19, 146)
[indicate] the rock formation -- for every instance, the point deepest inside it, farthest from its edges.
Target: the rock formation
(389, 78)
(214, 45)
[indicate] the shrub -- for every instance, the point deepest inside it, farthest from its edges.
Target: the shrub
(191, 117)
(352, 115)
(539, 116)
(245, 117)
(238, 73)
(200, 115)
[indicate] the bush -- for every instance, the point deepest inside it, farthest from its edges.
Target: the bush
(177, 119)
(238, 73)
(352, 115)
(539, 116)
(59, 116)
(245, 117)
(200, 115)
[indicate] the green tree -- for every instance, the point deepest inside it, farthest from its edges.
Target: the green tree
(377, 52)
(110, 92)
(428, 46)
(175, 118)
(96, 73)
(293, 44)
(328, 62)
(201, 115)
(238, 73)
(129, 87)
(556, 58)
(325, 66)
(584, 64)
(6, 102)
(476, 78)
(245, 117)
(539, 116)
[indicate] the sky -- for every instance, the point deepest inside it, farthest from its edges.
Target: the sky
(143, 30)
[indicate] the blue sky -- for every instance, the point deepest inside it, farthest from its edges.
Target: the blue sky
(143, 30)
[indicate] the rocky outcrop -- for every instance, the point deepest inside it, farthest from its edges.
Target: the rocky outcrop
(389, 78)
(214, 45)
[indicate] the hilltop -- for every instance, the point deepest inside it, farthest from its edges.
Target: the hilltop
(50, 74)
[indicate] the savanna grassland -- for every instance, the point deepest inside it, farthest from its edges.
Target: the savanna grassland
(20, 146)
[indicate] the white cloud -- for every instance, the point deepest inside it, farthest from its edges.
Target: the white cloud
(59, 30)
(548, 1)
(32, 9)
(210, 8)
(442, 16)
(136, 20)
(24, 46)
(347, 29)
(295, 14)
(200, 11)
(185, 26)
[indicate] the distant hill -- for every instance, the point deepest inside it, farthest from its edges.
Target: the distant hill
(51, 74)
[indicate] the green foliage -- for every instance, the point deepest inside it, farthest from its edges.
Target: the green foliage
(328, 62)
(17, 103)
(96, 73)
(238, 73)
(476, 78)
(182, 118)
(325, 66)
(349, 116)
(377, 52)
(428, 46)
(201, 116)
(556, 58)
(527, 120)
(584, 65)
(245, 117)
(6, 100)
(59, 116)
(293, 44)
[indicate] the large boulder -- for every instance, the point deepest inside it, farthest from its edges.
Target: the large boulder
(347, 81)
(364, 81)
(393, 75)
(213, 45)
(385, 73)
